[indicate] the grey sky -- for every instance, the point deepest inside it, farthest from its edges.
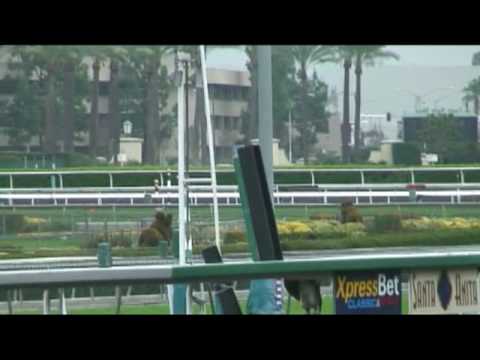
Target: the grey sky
(417, 55)
(437, 74)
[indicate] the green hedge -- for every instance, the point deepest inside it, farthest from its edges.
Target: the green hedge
(406, 154)
(383, 223)
(395, 239)
(347, 177)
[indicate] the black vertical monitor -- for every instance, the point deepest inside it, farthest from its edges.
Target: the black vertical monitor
(260, 203)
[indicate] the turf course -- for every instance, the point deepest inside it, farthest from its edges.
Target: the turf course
(162, 309)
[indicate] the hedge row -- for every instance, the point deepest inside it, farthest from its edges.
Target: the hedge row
(102, 180)
(418, 238)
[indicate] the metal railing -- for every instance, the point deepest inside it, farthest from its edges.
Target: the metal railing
(165, 177)
(326, 196)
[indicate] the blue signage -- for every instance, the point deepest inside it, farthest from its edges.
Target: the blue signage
(374, 292)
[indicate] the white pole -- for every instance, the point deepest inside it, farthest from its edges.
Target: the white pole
(181, 167)
(210, 146)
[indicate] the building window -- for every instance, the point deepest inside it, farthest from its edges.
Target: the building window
(245, 93)
(237, 123)
(219, 122)
(228, 123)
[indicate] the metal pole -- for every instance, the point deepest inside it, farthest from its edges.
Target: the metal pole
(9, 302)
(187, 161)
(290, 136)
(265, 115)
(118, 299)
(46, 302)
(182, 199)
(181, 166)
(211, 149)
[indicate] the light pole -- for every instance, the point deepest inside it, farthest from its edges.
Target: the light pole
(419, 97)
(265, 109)
(290, 135)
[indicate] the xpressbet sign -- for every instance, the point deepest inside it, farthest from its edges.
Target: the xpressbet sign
(368, 292)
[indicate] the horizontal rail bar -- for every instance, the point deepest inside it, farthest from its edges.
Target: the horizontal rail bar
(230, 170)
(440, 258)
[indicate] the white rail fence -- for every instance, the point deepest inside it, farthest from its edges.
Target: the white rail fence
(371, 195)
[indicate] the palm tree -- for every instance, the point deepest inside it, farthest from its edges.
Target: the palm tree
(365, 55)
(476, 59)
(116, 55)
(99, 57)
(250, 124)
(147, 62)
(472, 93)
(199, 148)
(344, 54)
(305, 56)
(72, 57)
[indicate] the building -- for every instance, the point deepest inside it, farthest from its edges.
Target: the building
(228, 90)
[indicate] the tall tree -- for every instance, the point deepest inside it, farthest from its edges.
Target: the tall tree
(199, 144)
(316, 119)
(43, 64)
(306, 55)
(345, 55)
(71, 59)
(476, 59)
(99, 56)
(472, 93)
(23, 113)
(116, 55)
(250, 117)
(283, 87)
(365, 55)
(442, 134)
(146, 62)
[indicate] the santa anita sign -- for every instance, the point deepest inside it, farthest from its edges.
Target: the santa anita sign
(454, 291)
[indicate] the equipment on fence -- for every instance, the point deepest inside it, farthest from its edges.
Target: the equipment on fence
(182, 61)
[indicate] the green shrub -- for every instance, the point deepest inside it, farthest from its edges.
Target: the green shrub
(90, 243)
(349, 213)
(120, 240)
(321, 216)
(383, 223)
(149, 237)
(406, 154)
(234, 236)
(361, 156)
(14, 223)
(78, 159)
(58, 225)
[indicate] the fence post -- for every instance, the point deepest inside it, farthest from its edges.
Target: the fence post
(62, 301)
(9, 302)
(46, 302)
(118, 299)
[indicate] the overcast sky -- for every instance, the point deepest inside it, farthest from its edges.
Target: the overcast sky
(437, 74)
(421, 55)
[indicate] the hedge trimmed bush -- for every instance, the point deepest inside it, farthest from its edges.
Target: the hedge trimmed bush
(234, 236)
(14, 223)
(384, 223)
(406, 154)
